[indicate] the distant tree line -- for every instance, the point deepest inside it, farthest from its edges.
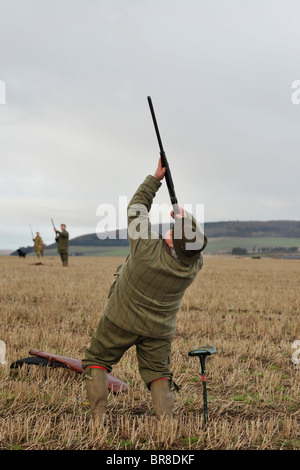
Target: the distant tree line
(235, 228)
(266, 249)
(239, 251)
(278, 249)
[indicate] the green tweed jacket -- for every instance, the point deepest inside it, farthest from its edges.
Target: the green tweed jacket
(62, 241)
(149, 286)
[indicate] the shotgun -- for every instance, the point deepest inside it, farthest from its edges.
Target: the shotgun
(31, 232)
(164, 162)
(54, 228)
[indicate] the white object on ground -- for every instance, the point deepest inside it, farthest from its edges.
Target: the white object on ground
(2, 352)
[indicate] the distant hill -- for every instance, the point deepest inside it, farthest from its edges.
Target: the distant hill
(279, 228)
(92, 239)
(234, 229)
(272, 228)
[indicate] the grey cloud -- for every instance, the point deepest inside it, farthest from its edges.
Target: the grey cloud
(76, 129)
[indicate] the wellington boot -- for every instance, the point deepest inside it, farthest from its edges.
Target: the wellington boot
(96, 386)
(163, 398)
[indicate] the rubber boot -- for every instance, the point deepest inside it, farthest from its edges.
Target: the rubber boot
(163, 398)
(96, 387)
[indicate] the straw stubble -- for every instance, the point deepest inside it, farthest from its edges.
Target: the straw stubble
(247, 308)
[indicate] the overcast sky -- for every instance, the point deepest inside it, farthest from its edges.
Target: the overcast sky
(76, 130)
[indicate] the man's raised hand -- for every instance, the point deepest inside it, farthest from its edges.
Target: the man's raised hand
(160, 171)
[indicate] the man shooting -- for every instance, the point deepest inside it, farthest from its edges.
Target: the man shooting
(143, 302)
(38, 244)
(62, 240)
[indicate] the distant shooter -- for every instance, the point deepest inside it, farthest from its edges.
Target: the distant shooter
(62, 240)
(38, 245)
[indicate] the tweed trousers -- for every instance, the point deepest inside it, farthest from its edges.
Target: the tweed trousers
(110, 342)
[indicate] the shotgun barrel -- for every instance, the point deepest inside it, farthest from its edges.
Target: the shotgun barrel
(53, 227)
(164, 161)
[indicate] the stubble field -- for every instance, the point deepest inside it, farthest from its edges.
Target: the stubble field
(247, 308)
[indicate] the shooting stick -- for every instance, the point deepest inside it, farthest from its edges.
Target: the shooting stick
(202, 353)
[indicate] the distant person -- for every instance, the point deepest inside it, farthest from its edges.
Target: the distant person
(38, 243)
(43, 248)
(62, 240)
(143, 303)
